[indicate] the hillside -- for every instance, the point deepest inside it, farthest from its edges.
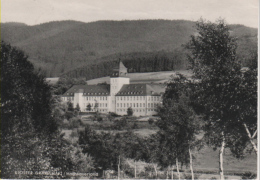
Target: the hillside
(59, 47)
(148, 77)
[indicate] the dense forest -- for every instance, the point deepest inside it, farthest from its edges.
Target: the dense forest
(63, 47)
(135, 62)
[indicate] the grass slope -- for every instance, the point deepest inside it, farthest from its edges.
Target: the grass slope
(149, 77)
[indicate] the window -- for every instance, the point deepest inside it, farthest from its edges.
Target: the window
(124, 104)
(143, 104)
(130, 104)
(121, 98)
(152, 98)
(148, 98)
(127, 98)
(127, 104)
(137, 98)
(140, 104)
(152, 105)
(117, 104)
(136, 104)
(120, 104)
(148, 104)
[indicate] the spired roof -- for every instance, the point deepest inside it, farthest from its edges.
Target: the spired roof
(89, 90)
(141, 90)
(120, 71)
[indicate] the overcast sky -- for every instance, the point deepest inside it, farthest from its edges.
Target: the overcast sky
(34, 12)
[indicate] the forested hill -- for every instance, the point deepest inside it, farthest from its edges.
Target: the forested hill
(70, 47)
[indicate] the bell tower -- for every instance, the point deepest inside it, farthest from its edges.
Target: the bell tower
(118, 78)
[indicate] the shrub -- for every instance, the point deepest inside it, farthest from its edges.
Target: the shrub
(130, 111)
(150, 121)
(188, 176)
(248, 175)
(114, 114)
(75, 123)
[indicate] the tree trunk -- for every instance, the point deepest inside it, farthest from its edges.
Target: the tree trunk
(251, 138)
(172, 173)
(167, 174)
(118, 168)
(177, 167)
(221, 170)
(135, 170)
(155, 170)
(191, 168)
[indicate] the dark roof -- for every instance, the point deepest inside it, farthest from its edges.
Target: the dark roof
(89, 90)
(120, 71)
(141, 90)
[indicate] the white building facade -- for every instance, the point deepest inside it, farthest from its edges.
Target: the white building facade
(117, 96)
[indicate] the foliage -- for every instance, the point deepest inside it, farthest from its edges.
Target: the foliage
(120, 124)
(30, 139)
(178, 123)
(64, 83)
(113, 114)
(105, 148)
(70, 106)
(75, 122)
(89, 107)
(77, 108)
(130, 111)
(99, 146)
(220, 93)
(130, 37)
(98, 117)
(151, 120)
(248, 175)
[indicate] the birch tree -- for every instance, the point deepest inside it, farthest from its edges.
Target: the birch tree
(178, 124)
(220, 93)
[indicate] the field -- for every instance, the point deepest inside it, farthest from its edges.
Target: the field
(149, 77)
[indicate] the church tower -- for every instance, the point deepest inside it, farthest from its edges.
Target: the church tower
(117, 79)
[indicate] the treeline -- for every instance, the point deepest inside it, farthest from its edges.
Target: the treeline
(135, 62)
(60, 47)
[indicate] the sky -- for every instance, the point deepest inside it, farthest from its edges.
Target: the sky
(34, 12)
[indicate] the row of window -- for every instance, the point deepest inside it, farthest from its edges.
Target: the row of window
(152, 105)
(101, 98)
(127, 98)
(96, 105)
(100, 110)
(68, 98)
(136, 110)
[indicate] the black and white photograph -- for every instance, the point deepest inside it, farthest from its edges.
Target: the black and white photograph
(129, 89)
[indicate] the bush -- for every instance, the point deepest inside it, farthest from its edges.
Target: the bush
(120, 124)
(188, 176)
(150, 121)
(130, 111)
(248, 175)
(75, 123)
(114, 114)
(74, 134)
